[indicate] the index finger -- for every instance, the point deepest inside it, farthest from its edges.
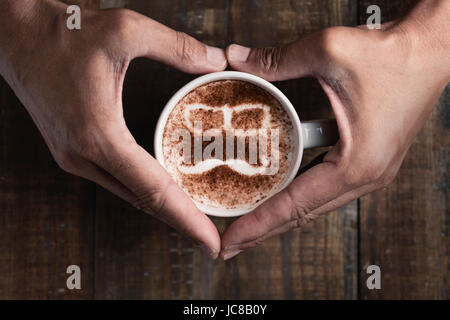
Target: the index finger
(292, 207)
(154, 190)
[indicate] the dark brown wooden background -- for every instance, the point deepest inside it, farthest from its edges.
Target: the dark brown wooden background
(49, 219)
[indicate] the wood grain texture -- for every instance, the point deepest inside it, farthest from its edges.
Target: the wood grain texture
(405, 228)
(49, 219)
(307, 263)
(138, 257)
(46, 215)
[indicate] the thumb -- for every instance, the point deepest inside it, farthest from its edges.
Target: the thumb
(155, 41)
(294, 60)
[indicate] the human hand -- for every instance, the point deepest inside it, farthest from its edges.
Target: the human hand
(71, 84)
(382, 85)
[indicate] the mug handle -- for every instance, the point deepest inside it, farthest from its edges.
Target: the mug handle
(319, 133)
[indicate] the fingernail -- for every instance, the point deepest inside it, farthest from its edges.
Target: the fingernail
(231, 254)
(212, 254)
(238, 53)
(216, 57)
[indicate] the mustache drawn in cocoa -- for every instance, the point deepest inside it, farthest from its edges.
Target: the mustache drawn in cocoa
(228, 144)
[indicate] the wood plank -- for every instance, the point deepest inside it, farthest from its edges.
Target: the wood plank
(318, 261)
(139, 257)
(405, 228)
(46, 215)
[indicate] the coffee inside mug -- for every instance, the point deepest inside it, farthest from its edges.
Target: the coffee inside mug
(231, 140)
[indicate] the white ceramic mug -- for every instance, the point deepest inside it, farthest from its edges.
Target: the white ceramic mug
(308, 134)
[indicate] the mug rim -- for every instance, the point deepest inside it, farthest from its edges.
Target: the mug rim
(263, 84)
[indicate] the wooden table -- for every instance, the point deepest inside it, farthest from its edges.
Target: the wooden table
(50, 220)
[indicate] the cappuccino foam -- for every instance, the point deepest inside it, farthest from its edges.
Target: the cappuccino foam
(252, 128)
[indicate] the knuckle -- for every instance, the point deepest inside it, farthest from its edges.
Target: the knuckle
(270, 59)
(333, 42)
(186, 48)
(120, 18)
(153, 201)
(299, 215)
(300, 210)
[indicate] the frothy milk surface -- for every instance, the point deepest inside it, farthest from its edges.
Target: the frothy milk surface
(253, 138)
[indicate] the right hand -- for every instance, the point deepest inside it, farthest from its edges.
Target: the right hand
(71, 84)
(382, 86)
